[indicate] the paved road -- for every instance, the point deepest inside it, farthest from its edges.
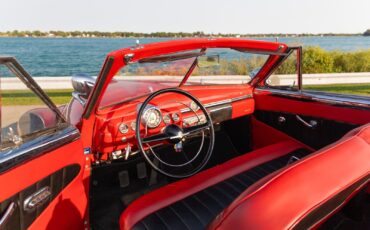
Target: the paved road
(11, 114)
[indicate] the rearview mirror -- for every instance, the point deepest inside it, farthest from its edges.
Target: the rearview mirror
(208, 61)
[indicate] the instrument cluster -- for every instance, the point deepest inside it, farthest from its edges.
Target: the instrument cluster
(152, 118)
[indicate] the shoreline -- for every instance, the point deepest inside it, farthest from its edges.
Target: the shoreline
(174, 37)
(64, 82)
(197, 34)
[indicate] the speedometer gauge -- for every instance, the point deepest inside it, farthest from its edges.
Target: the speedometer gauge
(152, 117)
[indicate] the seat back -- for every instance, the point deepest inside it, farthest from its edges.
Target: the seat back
(307, 192)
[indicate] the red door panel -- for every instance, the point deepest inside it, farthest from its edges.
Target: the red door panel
(282, 102)
(47, 183)
(313, 119)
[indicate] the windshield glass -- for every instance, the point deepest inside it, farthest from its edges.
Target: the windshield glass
(204, 67)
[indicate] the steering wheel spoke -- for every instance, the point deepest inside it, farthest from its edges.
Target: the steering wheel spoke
(195, 129)
(157, 137)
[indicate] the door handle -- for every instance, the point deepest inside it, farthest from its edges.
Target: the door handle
(7, 214)
(36, 199)
(311, 124)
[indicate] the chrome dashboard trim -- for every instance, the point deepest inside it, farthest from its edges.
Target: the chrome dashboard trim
(322, 97)
(223, 102)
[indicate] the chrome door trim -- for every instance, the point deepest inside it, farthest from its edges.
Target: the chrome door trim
(351, 101)
(43, 144)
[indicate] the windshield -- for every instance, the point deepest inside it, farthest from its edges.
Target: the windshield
(202, 67)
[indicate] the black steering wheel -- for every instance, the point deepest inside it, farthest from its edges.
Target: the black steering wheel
(177, 136)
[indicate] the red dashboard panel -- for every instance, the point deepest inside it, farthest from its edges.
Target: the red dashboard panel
(237, 99)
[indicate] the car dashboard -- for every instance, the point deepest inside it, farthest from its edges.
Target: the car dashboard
(115, 134)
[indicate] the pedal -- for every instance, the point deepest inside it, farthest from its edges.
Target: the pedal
(141, 170)
(124, 179)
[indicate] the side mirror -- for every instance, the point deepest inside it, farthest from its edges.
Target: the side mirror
(82, 85)
(208, 61)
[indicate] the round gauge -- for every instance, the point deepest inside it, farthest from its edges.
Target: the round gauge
(194, 106)
(167, 119)
(152, 117)
(133, 125)
(123, 128)
(175, 117)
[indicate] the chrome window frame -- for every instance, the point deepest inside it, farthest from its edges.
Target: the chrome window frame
(339, 99)
(39, 142)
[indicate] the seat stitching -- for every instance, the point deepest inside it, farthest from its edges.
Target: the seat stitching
(232, 187)
(262, 171)
(242, 182)
(180, 217)
(195, 196)
(223, 192)
(192, 211)
(213, 197)
(248, 177)
(145, 226)
(237, 183)
(271, 167)
(161, 219)
(259, 176)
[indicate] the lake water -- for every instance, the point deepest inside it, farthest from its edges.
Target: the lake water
(68, 56)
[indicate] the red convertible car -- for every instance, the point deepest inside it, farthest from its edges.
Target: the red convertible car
(187, 134)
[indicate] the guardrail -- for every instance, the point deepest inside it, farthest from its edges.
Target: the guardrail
(308, 79)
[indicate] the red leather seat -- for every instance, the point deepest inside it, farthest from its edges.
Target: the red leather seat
(146, 207)
(307, 193)
(294, 196)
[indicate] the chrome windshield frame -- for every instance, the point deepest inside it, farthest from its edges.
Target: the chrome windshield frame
(16, 68)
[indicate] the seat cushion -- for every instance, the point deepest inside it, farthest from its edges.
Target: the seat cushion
(194, 202)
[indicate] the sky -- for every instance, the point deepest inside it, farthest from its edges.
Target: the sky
(210, 16)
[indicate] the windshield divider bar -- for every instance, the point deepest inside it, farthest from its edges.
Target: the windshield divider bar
(191, 69)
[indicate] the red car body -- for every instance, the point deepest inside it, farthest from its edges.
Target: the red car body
(293, 197)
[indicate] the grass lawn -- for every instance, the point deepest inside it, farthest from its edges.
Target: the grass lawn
(356, 89)
(27, 97)
(62, 96)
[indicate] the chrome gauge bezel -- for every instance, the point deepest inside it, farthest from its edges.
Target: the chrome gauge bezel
(123, 128)
(133, 125)
(166, 119)
(158, 118)
(175, 117)
(193, 106)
